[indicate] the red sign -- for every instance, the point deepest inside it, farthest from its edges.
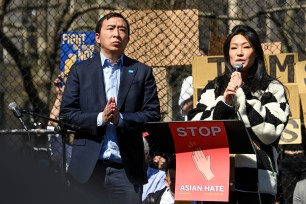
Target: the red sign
(202, 161)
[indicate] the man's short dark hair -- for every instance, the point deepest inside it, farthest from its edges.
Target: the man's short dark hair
(108, 16)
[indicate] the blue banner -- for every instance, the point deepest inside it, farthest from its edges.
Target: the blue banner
(76, 47)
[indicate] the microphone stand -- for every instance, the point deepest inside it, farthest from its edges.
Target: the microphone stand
(62, 129)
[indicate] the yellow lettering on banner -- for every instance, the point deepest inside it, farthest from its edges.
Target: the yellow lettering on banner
(76, 47)
(300, 75)
(73, 39)
(292, 133)
(86, 52)
(90, 48)
(294, 100)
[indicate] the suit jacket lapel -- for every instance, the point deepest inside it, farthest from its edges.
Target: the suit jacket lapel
(127, 77)
(100, 82)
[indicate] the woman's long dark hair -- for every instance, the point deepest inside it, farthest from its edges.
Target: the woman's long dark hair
(257, 77)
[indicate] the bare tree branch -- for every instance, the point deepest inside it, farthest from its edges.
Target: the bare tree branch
(260, 13)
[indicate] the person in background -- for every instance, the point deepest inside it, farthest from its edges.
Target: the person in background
(185, 101)
(292, 167)
(156, 178)
(257, 99)
(186, 96)
(55, 140)
(109, 97)
(159, 160)
(165, 195)
(59, 84)
(299, 194)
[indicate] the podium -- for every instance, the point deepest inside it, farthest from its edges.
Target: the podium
(238, 138)
(214, 141)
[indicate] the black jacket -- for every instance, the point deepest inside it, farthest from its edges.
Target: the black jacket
(154, 198)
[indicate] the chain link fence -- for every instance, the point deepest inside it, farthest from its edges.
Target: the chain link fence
(165, 34)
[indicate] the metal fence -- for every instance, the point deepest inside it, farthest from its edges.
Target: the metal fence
(165, 34)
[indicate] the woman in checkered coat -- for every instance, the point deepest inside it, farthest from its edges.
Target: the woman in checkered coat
(260, 101)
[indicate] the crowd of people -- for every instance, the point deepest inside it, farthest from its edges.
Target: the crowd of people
(110, 96)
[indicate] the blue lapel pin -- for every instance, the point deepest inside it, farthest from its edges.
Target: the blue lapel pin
(131, 71)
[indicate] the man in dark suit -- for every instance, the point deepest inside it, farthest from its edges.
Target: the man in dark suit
(111, 96)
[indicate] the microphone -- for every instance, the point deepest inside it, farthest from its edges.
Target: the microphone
(238, 66)
(14, 108)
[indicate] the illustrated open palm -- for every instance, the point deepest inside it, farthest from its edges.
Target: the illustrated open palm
(202, 163)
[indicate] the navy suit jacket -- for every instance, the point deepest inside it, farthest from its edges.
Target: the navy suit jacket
(85, 97)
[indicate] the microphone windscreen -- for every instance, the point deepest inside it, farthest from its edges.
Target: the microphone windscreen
(12, 105)
(238, 66)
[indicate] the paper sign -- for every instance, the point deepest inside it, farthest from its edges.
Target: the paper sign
(202, 161)
(293, 99)
(300, 75)
(292, 134)
(281, 66)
